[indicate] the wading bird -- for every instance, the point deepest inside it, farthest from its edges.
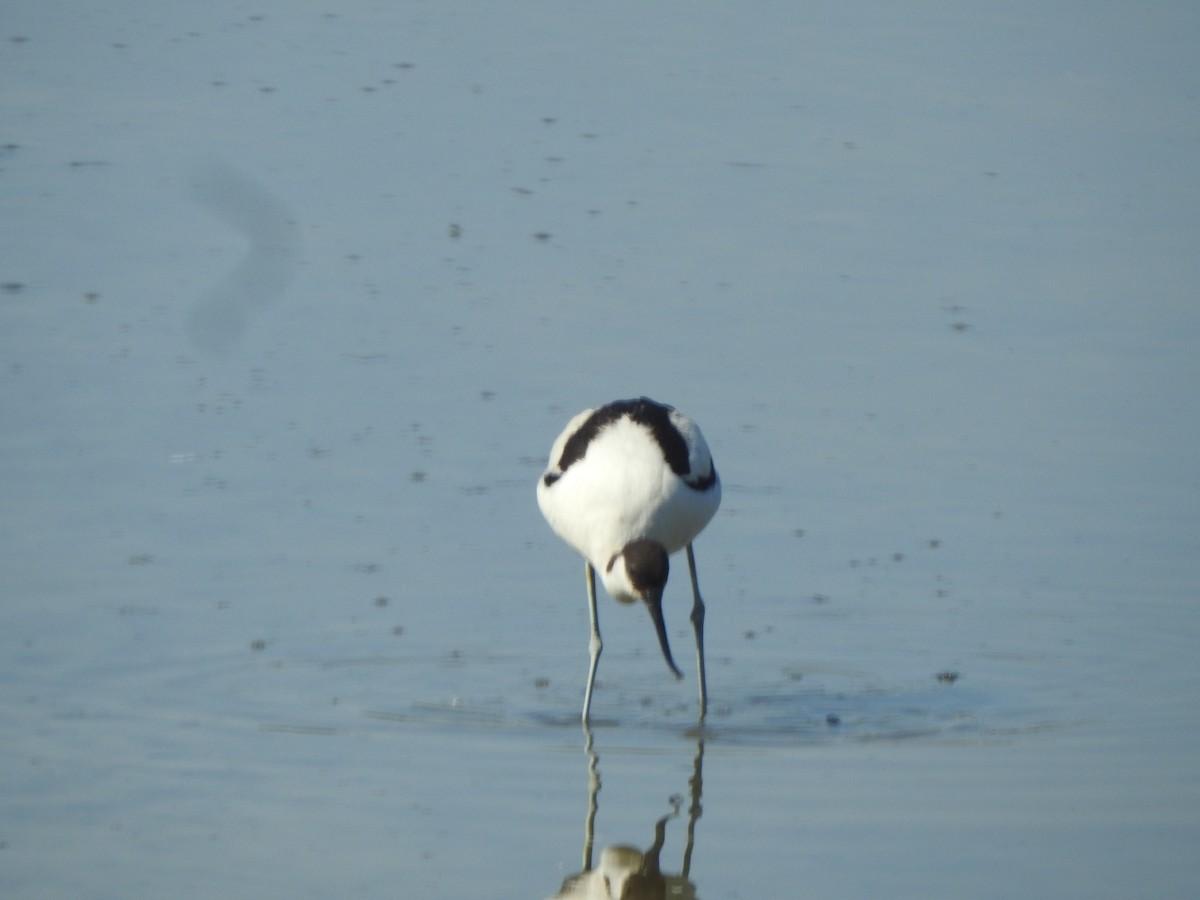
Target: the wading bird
(628, 484)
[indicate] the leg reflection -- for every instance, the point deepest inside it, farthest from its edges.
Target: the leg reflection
(625, 871)
(589, 830)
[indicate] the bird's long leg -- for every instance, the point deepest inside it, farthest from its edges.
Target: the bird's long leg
(595, 645)
(698, 624)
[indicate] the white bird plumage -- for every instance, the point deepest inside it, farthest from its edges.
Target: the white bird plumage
(628, 484)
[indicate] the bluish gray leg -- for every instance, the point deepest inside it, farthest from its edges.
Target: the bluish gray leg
(595, 645)
(698, 624)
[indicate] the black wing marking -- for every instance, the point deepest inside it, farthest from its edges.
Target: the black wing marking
(656, 417)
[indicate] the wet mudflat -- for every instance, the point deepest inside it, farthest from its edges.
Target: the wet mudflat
(293, 301)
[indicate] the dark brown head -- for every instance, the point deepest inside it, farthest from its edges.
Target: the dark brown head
(640, 572)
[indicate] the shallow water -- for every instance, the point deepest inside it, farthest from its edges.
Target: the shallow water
(294, 301)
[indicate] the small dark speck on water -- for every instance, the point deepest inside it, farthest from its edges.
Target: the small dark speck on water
(947, 677)
(541, 682)
(381, 601)
(833, 719)
(258, 646)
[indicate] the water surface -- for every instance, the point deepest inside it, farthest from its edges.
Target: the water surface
(295, 299)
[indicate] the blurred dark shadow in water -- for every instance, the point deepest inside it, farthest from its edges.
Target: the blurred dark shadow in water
(624, 871)
(221, 316)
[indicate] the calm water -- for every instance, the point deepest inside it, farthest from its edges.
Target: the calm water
(294, 301)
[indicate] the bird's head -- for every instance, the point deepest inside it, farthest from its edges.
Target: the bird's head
(639, 572)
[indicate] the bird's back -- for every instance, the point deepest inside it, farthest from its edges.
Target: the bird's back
(622, 488)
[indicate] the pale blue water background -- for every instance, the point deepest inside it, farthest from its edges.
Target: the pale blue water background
(296, 296)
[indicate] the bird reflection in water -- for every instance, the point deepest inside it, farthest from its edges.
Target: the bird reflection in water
(625, 872)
